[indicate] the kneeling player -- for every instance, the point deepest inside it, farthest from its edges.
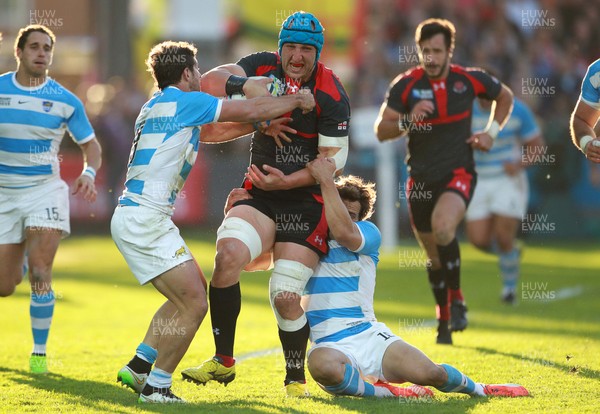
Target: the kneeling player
(348, 342)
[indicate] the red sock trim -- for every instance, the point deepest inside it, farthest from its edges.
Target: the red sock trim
(228, 361)
(455, 294)
(442, 313)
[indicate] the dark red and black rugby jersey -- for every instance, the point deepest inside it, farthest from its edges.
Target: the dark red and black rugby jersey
(330, 116)
(436, 143)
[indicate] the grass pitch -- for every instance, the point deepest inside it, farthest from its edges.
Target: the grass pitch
(550, 342)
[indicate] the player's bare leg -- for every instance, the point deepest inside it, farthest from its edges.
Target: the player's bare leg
(480, 233)
(404, 362)
(293, 267)
(183, 312)
(448, 212)
(169, 335)
(334, 372)
(11, 271)
(41, 245)
(224, 292)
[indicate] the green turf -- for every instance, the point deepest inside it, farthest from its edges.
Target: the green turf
(550, 346)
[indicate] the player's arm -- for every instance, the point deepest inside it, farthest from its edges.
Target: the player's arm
(264, 107)
(583, 134)
(92, 160)
(336, 148)
(341, 225)
(501, 110)
(388, 124)
(231, 79)
(228, 131)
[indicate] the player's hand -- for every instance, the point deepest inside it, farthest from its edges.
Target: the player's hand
(274, 179)
(257, 86)
(512, 168)
(421, 110)
(308, 100)
(237, 194)
(85, 186)
(481, 141)
(592, 151)
(322, 169)
(277, 130)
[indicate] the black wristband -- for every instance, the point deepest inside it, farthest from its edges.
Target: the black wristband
(235, 85)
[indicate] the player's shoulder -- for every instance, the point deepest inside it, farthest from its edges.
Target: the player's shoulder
(326, 81)
(468, 70)
(409, 76)
(263, 58)
(6, 78)
(593, 74)
(368, 227)
(56, 88)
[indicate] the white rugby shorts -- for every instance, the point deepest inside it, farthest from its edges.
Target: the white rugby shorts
(504, 195)
(44, 206)
(148, 240)
(365, 350)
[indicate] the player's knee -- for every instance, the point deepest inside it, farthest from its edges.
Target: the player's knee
(238, 243)
(435, 375)
(228, 259)
(444, 232)
(7, 287)
(288, 306)
(39, 277)
(325, 371)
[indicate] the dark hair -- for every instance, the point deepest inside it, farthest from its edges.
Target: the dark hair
(26, 31)
(430, 27)
(353, 188)
(167, 61)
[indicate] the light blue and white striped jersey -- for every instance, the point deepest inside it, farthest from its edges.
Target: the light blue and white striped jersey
(520, 128)
(590, 87)
(338, 299)
(165, 146)
(33, 121)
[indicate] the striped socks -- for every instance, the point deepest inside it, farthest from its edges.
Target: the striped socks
(41, 310)
(459, 382)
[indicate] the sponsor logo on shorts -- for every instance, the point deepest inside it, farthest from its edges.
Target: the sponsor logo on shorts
(179, 252)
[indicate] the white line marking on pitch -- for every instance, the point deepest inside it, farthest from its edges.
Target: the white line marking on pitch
(258, 354)
(568, 292)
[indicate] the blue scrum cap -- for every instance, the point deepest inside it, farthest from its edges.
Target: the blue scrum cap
(302, 27)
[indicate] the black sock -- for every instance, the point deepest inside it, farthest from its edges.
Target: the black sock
(440, 292)
(225, 305)
(140, 366)
(450, 260)
(294, 352)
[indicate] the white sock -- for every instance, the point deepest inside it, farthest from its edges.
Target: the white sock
(159, 378)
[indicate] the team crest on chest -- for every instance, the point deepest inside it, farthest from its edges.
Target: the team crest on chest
(459, 87)
(47, 106)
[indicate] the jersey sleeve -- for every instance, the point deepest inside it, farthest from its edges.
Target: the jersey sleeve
(198, 108)
(252, 63)
(78, 124)
(393, 96)
(590, 87)
(371, 238)
(529, 127)
(486, 86)
(334, 120)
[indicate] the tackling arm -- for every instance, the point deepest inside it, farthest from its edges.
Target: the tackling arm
(341, 226)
